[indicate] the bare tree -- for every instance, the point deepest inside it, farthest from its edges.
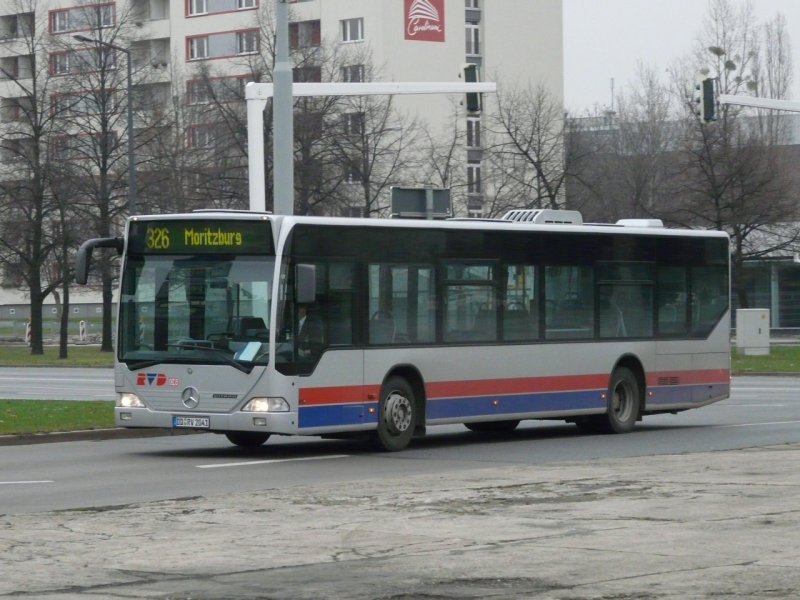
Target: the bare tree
(29, 242)
(529, 131)
(631, 169)
(734, 171)
(95, 152)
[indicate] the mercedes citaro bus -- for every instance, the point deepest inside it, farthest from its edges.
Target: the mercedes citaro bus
(252, 325)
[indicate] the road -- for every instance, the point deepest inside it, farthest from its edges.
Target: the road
(56, 383)
(762, 411)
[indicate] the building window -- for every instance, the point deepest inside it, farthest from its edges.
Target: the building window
(201, 136)
(198, 48)
(473, 133)
(197, 92)
(59, 21)
(353, 173)
(473, 39)
(198, 7)
(304, 34)
(474, 179)
(106, 15)
(472, 4)
(247, 42)
(246, 4)
(82, 18)
(59, 63)
(311, 74)
(354, 124)
(353, 73)
(352, 29)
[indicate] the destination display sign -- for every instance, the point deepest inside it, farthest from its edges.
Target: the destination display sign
(200, 237)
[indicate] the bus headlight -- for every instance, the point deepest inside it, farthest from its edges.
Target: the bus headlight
(128, 400)
(266, 405)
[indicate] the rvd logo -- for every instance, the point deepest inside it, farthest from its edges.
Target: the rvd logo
(157, 379)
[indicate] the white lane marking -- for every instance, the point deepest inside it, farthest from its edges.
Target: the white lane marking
(752, 405)
(269, 462)
(761, 388)
(26, 482)
(754, 424)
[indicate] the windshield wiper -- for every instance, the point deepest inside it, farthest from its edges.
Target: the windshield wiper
(244, 368)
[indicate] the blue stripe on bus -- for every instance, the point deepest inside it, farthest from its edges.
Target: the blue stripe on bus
(450, 408)
(337, 415)
(685, 394)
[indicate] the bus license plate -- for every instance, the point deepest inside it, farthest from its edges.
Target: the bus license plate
(191, 422)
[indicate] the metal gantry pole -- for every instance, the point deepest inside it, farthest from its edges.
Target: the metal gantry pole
(132, 189)
(282, 118)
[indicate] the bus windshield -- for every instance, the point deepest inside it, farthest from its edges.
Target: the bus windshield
(200, 309)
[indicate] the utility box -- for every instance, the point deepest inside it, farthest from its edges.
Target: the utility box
(752, 331)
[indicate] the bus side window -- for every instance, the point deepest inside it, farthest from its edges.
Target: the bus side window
(570, 302)
(520, 309)
(709, 297)
(401, 304)
(673, 301)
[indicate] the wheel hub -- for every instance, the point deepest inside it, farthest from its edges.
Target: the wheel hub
(398, 413)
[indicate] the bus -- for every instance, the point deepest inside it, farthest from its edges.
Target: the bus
(253, 325)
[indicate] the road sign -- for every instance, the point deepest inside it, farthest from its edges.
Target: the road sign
(420, 202)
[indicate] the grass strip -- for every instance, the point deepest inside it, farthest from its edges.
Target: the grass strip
(781, 359)
(46, 416)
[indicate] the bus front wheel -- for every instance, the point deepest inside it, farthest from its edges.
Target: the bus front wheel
(397, 415)
(247, 439)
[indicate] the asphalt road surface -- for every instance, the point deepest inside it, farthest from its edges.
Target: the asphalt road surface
(762, 411)
(56, 383)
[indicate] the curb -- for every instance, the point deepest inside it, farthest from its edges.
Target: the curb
(93, 435)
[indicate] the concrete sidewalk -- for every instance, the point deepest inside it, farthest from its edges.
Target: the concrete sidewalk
(720, 524)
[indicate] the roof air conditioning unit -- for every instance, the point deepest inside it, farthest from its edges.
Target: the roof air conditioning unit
(544, 216)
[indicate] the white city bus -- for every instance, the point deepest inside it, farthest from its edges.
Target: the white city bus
(252, 325)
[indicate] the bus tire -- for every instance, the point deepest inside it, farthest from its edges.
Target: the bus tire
(622, 410)
(247, 439)
(397, 415)
(493, 426)
(623, 401)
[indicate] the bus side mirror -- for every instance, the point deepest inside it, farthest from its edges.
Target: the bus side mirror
(83, 259)
(305, 277)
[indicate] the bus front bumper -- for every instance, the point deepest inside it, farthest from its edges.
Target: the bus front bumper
(280, 423)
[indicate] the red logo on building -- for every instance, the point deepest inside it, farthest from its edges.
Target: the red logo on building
(424, 20)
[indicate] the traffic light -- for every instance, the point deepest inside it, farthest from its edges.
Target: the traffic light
(473, 98)
(707, 105)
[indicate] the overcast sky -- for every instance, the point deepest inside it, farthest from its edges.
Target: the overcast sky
(604, 39)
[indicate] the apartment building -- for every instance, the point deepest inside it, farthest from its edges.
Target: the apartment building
(173, 42)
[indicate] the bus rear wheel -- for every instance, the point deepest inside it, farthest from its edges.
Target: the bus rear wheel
(247, 439)
(622, 406)
(397, 415)
(493, 426)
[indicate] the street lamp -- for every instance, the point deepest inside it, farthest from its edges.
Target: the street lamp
(131, 162)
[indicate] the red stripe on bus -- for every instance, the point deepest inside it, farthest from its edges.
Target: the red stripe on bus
(522, 385)
(347, 394)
